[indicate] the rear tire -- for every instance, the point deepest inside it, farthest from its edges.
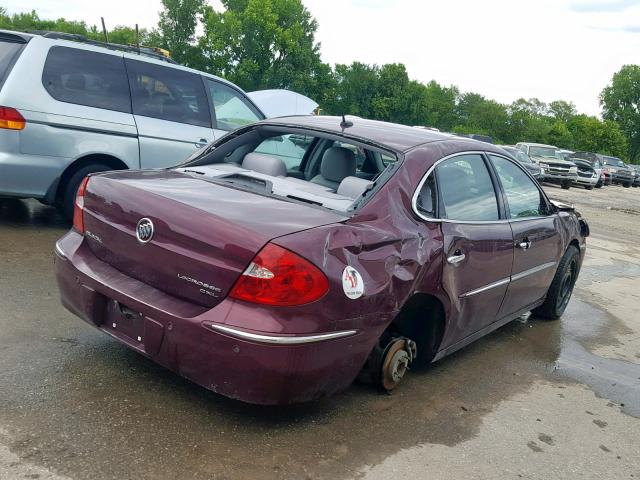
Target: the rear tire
(69, 191)
(561, 287)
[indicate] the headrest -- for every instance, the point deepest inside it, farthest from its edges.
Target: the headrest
(338, 163)
(266, 164)
(353, 187)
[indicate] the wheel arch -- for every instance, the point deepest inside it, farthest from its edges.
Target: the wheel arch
(91, 159)
(422, 318)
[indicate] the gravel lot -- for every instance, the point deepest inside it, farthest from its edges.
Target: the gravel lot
(534, 399)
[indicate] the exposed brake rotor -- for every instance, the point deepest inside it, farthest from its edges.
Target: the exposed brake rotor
(396, 360)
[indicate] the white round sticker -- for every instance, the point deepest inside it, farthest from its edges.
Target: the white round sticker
(352, 283)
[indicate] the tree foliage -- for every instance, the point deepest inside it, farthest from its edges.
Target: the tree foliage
(261, 44)
(621, 103)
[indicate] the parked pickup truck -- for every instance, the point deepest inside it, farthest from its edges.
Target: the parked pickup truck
(621, 174)
(557, 169)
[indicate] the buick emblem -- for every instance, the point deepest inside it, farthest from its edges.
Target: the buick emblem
(144, 230)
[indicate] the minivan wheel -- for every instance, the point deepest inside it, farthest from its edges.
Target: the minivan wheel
(566, 185)
(68, 197)
(561, 287)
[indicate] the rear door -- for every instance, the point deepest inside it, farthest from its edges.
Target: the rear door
(171, 111)
(538, 245)
(478, 244)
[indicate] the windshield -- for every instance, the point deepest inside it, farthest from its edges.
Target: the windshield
(613, 161)
(543, 152)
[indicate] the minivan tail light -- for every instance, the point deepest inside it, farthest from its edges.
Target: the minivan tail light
(11, 119)
(78, 206)
(279, 277)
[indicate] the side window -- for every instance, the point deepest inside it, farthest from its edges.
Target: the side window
(168, 94)
(466, 189)
(289, 148)
(87, 78)
(523, 196)
(231, 109)
(426, 201)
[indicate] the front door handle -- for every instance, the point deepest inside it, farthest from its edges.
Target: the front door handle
(525, 244)
(201, 143)
(456, 258)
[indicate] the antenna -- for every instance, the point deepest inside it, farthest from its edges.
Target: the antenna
(137, 39)
(104, 30)
(345, 123)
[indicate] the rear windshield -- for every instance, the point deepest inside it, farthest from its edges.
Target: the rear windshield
(331, 172)
(8, 51)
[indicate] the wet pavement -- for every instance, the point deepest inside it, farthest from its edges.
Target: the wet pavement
(534, 399)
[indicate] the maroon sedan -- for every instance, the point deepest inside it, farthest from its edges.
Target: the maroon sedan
(294, 254)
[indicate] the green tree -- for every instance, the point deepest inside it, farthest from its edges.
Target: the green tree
(621, 103)
(593, 135)
(261, 44)
(177, 29)
(562, 110)
(439, 108)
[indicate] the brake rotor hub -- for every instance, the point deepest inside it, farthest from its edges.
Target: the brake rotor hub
(396, 360)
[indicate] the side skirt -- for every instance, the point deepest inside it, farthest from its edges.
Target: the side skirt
(485, 331)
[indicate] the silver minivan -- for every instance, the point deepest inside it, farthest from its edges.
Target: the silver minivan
(70, 106)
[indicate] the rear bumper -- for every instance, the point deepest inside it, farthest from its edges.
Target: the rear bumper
(206, 345)
(28, 176)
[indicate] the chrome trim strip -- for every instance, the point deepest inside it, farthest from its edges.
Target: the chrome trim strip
(414, 200)
(510, 279)
(59, 251)
(531, 271)
(280, 339)
(486, 287)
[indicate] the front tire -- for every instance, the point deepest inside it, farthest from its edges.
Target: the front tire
(561, 288)
(590, 187)
(68, 197)
(566, 185)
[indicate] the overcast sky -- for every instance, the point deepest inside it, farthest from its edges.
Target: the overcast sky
(503, 49)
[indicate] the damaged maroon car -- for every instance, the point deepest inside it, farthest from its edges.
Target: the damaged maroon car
(295, 254)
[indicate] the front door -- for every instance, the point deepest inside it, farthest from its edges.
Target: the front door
(537, 242)
(171, 112)
(478, 244)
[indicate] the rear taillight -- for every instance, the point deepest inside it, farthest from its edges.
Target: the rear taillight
(11, 119)
(277, 276)
(78, 206)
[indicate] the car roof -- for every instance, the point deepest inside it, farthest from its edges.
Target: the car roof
(392, 135)
(538, 145)
(97, 48)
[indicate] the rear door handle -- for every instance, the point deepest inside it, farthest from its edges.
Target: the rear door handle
(456, 258)
(525, 244)
(201, 143)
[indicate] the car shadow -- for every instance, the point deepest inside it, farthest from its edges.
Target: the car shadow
(17, 212)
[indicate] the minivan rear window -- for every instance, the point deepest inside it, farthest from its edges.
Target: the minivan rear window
(87, 78)
(8, 51)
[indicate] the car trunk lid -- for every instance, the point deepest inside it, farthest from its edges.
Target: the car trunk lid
(204, 234)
